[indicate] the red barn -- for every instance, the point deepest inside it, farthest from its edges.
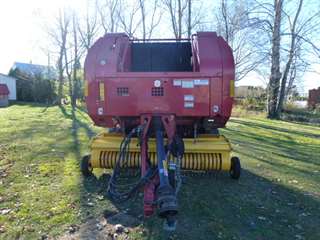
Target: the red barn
(314, 97)
(4, 93)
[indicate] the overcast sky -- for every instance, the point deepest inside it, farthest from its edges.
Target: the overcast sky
(22, 25)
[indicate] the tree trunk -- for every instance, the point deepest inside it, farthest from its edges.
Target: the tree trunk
(189, 19)
(143, 19)
(225, 20)
(69, 73)
(179, 19)
(292, 77)
(274, 82)
(63, 23)
(288, 65)
(283, 85)
(74, 96)
(60, 87)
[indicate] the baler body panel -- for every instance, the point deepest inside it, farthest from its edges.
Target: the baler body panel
(142, 97)
(199, 88)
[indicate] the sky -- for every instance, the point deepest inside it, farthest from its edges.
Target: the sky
(23, 29)
(23, 36)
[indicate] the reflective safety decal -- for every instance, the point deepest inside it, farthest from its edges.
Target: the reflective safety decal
(101, 91)
(165, 167)
(86, 89)
(231, 88)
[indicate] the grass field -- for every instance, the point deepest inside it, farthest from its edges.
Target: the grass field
(42, 192)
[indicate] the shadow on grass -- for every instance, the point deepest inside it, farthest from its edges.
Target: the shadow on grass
(253, 208)
(94, 187)
(278, 129)
(89, 185)
(258, 144)
(221, 208)
(76, 123)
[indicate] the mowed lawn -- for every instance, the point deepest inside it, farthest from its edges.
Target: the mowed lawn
(42, 192)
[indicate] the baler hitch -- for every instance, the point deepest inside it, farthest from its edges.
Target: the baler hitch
(162, 182)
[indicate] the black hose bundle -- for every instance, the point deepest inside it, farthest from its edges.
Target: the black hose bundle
(121, 187)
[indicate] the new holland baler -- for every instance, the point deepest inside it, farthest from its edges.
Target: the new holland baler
(162, 102)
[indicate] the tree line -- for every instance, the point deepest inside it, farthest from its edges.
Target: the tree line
(274, 39)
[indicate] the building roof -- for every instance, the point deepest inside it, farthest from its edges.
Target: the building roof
(4, 89)
(34, 69)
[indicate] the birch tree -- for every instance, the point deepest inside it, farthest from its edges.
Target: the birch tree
(275, 76)
(290, 30)
(293, 26)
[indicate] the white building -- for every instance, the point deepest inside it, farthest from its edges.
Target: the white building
(12, 85)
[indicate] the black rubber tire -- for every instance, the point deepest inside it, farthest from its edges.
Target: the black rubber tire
(235, 170)
(85, 166)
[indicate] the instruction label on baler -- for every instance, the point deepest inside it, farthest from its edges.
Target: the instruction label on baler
(177, 82)
(187, 84)
(201, 82)
(190, 83)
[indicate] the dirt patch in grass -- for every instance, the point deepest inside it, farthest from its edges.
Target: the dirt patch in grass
(117, 226)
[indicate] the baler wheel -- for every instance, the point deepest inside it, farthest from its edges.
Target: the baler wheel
(85, 166)
(235, 169)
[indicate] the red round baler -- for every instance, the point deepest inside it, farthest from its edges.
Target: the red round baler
(163, 101)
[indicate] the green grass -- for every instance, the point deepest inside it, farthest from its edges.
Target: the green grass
(277, 196)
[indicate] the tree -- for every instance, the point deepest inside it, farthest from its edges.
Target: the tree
(274, 82)
(290, 58)
(72, 42)
(232, 23)
(177, 10)
(72, 58)
(189, 19)
(89, 29)
(109, 14)
(128, 17)
(290, 30)
(153, 19)
(58, 33)
(183, 17)
(34, 88)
